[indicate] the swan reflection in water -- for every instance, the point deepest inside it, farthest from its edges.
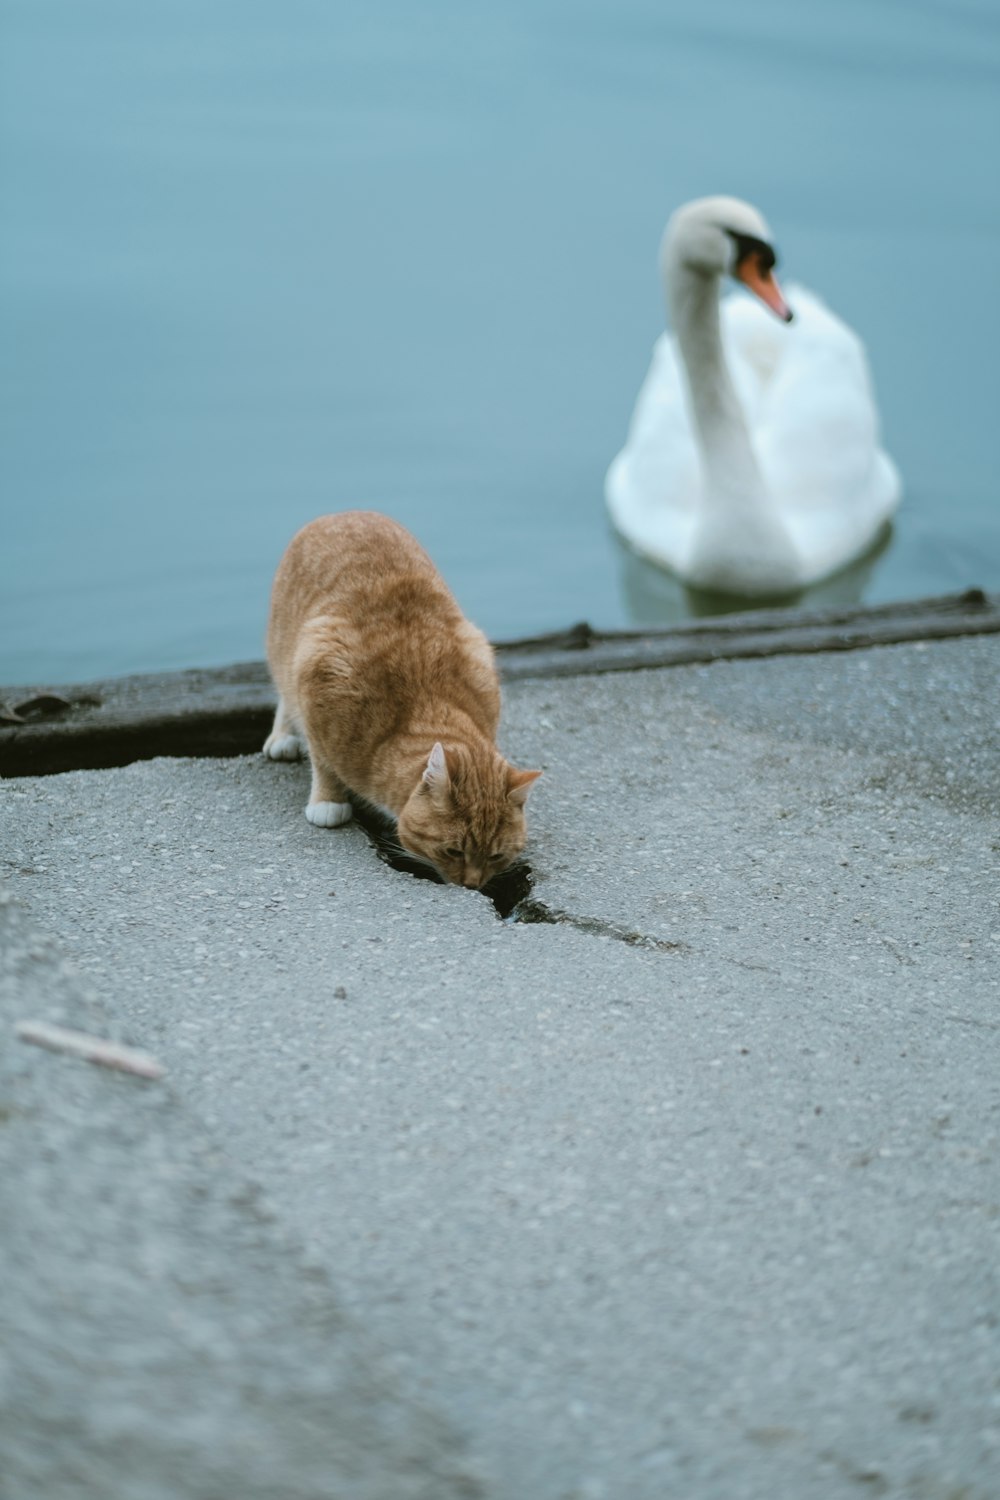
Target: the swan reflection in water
(655, 597)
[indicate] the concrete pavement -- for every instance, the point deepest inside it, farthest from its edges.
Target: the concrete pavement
(690, 1188)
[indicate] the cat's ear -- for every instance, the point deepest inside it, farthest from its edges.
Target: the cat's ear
(519, 784)
(435, 777)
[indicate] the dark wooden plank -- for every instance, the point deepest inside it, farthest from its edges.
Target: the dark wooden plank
(227, 710)
(641, 653)
(223, 711)
(970, 603)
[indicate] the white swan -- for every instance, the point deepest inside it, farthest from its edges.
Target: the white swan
(752, 465)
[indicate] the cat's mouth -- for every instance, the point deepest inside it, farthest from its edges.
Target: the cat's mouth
(506, 890)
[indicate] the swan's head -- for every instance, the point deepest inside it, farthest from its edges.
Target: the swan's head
(724, 237)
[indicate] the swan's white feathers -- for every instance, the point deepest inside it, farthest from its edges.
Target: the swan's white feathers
(808, 403)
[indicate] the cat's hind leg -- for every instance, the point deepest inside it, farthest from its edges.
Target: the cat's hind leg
(328, 806)
(283, 743)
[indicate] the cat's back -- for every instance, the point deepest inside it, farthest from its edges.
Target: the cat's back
(357, 600)
(336, 557)
(345, 568)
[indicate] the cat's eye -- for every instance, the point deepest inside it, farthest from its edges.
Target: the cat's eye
(454, 853)
(495, 859)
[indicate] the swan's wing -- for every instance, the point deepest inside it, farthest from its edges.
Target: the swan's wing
(652, 486)
(808, 394)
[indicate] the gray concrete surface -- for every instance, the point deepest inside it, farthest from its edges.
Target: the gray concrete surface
(160, 1335)
(690, 1191)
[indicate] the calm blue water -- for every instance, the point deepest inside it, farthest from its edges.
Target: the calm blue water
(259, 261)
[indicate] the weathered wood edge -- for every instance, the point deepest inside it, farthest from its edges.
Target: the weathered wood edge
(227, 710)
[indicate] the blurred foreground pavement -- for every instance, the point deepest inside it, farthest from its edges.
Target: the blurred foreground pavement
(691, 1190)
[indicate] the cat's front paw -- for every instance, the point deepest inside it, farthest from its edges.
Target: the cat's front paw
(283, 747)
(329, 814)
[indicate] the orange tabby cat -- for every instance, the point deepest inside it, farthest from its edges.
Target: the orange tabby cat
(395, 695)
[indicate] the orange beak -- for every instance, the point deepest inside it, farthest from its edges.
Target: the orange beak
(764, 286)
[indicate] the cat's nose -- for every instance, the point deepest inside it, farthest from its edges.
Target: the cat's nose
(472, 879)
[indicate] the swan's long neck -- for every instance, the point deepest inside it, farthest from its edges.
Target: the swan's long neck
(732, 474)
(739, 544)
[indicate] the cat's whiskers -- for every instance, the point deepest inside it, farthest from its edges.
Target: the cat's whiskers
(420, 859)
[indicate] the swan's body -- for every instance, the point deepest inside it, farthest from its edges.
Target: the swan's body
(752, 465)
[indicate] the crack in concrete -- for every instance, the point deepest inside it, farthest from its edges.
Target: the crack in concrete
(532, 910)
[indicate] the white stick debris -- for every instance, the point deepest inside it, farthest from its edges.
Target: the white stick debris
(94, 1049)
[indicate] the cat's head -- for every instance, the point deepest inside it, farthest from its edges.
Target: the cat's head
(466, 816)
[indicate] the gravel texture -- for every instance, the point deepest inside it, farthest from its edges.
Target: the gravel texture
(160, 1335)
(691, 1189)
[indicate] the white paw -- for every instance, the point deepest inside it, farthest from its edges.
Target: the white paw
(329, 814)
(283, 747)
